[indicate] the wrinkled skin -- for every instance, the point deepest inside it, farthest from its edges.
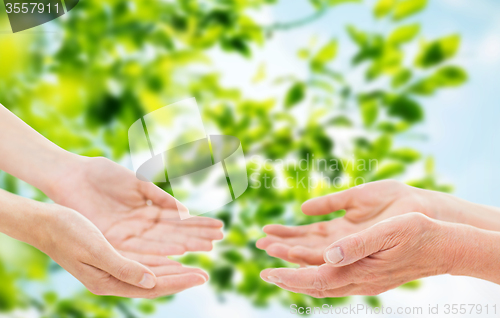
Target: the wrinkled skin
(382, 257)
(364, 207)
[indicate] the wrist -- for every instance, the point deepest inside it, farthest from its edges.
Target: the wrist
(472, 252)
(24, 219)
(444, 207)
(64, 167)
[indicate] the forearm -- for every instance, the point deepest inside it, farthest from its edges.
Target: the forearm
(448, 208)
(28, 155)
(22, 219)
(474, 252)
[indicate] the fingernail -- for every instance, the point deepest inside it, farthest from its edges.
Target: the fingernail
(148, 281)
(274, 279)
(204, 278)
(334, 255)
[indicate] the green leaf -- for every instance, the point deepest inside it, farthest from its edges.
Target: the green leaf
(403, 34)
(429, 165)
(369, 112)
(337, 2)
(451, 76)
(381, 146)
(383, 7)
(407, 109)
(406, 155)
(146, 307)
(222, 276)
(389, 170)
(326, 54)
(358, 36)
(402, 77)
(407, 8)
(303, 54)
(373, 301)
(295, 95)
(448, 76)
(238, 44)
(438, 51)
(319, 4)
(341, 121)
(412, 285)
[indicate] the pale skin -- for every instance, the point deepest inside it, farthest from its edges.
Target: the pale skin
(137, 219)
(382, 243)
(77, 245)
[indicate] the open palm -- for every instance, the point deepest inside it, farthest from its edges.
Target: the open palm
(365, 206)
(136, 217)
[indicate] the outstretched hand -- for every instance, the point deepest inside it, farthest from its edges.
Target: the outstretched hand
(365, 206)
(384, 256)
(136, 217)
(78, 246)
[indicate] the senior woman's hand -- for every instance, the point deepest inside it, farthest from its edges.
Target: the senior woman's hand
(393, 252)
(366, 205)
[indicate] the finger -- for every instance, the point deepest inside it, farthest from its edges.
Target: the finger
(292, 232)
(264, 242)
(145, 246)
(357, 246)
(160, 197)
(169, 215)
(286, 231)
(166, 285)
(172, 270)
(124, 269)
(200, 221)
(280, 250)
(322, 277)
(330, 203)
(311, 241)
(190, 243)
(345, 291)
(149, 260)
(167, 230)
(306, 255)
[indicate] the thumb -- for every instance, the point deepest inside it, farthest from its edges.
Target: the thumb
(127, 270)
(357, 246)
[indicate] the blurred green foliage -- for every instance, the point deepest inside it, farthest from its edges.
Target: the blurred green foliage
(115, 60)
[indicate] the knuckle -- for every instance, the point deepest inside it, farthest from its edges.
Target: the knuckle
(359, 244)
(419, 222)
(124, 272)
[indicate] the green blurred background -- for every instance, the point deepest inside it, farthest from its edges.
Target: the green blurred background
(337, 79)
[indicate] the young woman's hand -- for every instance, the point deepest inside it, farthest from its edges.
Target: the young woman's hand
(78, 246)
(134, 216)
